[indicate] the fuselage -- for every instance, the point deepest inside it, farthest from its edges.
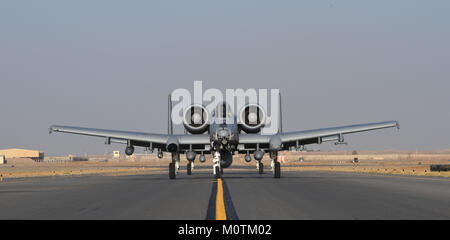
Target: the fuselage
(224, 133)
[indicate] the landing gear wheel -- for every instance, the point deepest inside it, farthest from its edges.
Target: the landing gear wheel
(172, 171)
(261, 168)
(217, 172)
(189, 168)
(277, 170)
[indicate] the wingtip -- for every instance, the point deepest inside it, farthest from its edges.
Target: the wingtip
(51, 129)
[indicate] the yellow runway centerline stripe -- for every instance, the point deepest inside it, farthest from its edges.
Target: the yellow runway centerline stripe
(220, 204)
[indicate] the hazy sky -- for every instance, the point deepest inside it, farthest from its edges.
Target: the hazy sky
(111, 64)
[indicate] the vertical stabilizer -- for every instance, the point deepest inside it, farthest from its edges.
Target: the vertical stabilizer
(169, 116)
(280, 129)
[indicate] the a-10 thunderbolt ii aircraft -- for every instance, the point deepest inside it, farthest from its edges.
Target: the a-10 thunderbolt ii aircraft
(212, 133)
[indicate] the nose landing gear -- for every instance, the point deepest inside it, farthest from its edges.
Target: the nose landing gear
(216, 166)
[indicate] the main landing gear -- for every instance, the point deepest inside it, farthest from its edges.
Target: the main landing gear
(275, 165)
(260, 167)
(190, 167)
(277, 170)
(174, 166)
(172, 173)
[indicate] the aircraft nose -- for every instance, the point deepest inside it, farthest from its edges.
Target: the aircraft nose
(223, 133)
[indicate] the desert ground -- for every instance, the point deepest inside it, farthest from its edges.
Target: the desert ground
(313, 185)
(381, 162)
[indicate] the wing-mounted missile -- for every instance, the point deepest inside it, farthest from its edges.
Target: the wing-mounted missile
(196, 119)
(202, 158)
(252, 118)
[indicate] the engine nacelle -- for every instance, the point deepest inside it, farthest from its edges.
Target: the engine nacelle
(226, 159)
(252, 118)
(172, 144)
(196, 119)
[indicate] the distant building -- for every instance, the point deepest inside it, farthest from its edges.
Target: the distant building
(74, 158)
(37, 156)
(2, 159)
(116, 154)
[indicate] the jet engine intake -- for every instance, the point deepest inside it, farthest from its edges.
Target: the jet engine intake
(172, 144)
(252, 118)
(196, 119)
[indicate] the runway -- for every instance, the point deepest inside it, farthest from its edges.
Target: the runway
(244, 195)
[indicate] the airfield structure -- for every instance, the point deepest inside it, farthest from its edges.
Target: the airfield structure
(37, 156)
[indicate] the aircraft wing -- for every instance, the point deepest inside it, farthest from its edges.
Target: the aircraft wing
(315, 136)
(136, 138)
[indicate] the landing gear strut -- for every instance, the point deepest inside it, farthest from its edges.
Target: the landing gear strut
(177, 166)
(217, 172)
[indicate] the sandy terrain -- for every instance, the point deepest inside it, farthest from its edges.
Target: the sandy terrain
(388, 162)
(403, 163)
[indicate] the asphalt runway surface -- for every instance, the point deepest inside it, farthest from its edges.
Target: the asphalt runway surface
(239, 195)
